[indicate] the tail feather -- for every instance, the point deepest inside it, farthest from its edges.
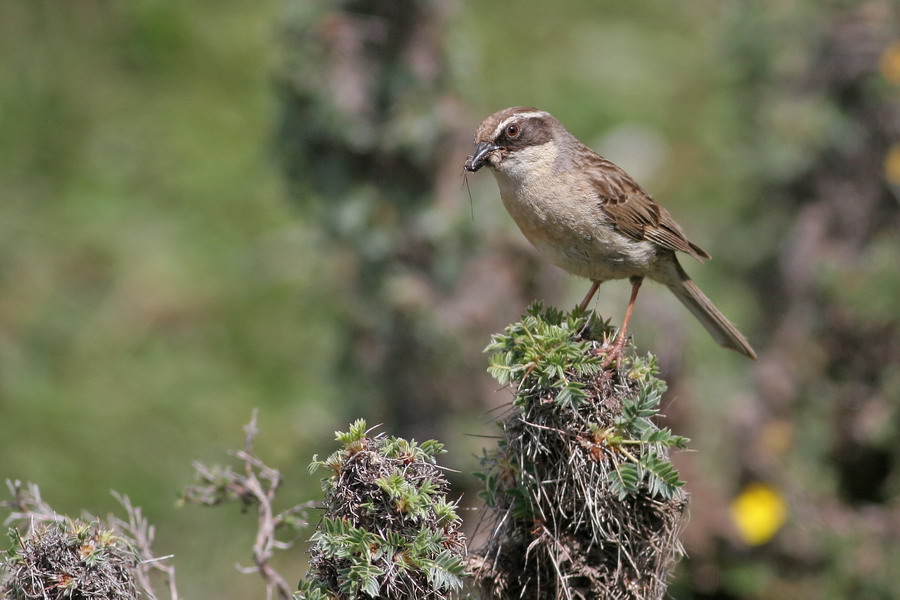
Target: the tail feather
(712, 319)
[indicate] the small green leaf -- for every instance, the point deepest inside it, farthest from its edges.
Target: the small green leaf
(356, 432)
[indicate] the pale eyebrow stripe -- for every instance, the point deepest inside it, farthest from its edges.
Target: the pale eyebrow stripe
(516, 117)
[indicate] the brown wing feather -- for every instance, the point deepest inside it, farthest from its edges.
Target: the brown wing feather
(634, 213)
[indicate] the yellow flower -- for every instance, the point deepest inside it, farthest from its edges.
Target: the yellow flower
(892, 165)
(890, 63)
(758, 512)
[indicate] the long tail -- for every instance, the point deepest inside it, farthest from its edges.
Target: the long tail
(706, 312)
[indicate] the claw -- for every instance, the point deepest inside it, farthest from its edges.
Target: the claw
(615, 354)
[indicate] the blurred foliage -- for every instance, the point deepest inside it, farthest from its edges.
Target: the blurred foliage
(156, 283)
(368, 128)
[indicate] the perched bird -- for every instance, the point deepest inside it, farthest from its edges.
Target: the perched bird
(588, 216)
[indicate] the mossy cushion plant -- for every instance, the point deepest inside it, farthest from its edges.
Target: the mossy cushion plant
(388, 530)
(582, 497)
(69, 558)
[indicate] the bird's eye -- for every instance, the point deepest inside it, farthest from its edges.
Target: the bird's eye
(513, 131)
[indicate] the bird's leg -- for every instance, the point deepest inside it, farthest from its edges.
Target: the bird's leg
(619, 345)
(584, 303)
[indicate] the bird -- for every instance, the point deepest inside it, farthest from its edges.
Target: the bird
(589, 217)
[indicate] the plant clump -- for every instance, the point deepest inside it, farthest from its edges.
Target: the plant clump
(69, 559)
(388, 530)
(582, 499)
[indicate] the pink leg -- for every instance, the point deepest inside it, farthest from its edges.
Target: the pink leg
(584, 303)
(619, 345)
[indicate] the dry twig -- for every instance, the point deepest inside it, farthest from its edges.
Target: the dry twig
(258, 485)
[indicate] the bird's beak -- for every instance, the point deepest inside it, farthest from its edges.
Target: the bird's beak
(482, 149)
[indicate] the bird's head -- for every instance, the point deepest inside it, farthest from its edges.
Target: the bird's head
(508, 136)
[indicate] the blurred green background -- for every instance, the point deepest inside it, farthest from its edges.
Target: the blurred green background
(207, 207)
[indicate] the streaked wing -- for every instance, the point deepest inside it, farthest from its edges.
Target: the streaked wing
(634, 213)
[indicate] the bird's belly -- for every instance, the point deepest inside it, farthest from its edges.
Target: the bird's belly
(596, 251)
(571, 233)
(601, 258)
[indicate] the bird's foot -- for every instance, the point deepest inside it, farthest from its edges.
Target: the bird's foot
(615, 353)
